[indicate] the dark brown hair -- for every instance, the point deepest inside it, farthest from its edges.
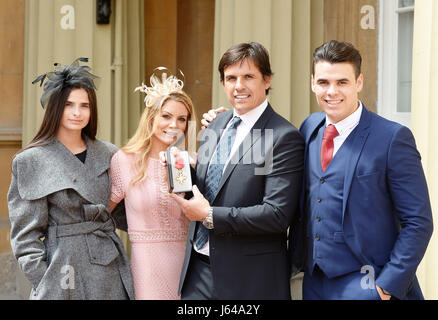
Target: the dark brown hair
(338, 52)
(53, 115)
(241, 51)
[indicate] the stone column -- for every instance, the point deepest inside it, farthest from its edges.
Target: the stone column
(424, 116)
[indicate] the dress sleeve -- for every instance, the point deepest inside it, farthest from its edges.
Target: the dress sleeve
(117, 187)
(29, 221)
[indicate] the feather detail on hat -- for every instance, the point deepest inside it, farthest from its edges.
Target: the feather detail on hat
(73, 75)
(160, 89)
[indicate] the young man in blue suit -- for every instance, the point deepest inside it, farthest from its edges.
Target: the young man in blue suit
(365, 209)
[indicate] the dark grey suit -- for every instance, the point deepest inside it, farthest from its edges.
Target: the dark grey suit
(252, 212)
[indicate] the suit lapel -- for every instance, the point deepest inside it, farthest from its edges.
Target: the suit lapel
(246, 145)
(356, 145)
(308, 133)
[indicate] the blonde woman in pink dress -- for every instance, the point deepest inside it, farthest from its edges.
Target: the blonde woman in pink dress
(157, 228)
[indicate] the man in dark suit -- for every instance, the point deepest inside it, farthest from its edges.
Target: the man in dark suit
(365, 209)
(248, 180)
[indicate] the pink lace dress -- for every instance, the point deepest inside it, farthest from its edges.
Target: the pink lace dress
(157, 228)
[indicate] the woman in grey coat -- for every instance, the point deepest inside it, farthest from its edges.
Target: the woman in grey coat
(62, 233)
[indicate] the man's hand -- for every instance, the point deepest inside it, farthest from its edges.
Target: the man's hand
(195, 209)
(210, 116)
(382, 295)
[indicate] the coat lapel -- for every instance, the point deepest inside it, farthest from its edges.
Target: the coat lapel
(98, 161)
(356, 145)
(246, 145)
(55, 168)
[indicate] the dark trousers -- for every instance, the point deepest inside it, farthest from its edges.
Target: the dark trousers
(198, 284)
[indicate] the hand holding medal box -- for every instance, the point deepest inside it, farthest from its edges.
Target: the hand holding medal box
(179, 171)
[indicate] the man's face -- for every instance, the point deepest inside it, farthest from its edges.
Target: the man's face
(336, 89)
(245, 85)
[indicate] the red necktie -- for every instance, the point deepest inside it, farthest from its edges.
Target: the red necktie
(327, 147)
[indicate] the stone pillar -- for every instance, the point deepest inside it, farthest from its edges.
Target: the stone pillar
(424, 116)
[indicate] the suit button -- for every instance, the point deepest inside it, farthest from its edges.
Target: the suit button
(319, 199)
(322, 180)
(317, 237)
(318, 219)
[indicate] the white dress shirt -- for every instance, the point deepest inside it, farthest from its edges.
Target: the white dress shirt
(345, 127)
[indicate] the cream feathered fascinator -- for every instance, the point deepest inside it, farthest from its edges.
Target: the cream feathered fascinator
(73, 75)
(160, 89)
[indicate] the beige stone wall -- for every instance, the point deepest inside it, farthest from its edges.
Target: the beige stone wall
(289, 30)
(179, 35)
(11, 102)
(342, 21)
(424, 117)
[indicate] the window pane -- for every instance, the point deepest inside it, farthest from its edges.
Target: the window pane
(406, 3)
(405, 44)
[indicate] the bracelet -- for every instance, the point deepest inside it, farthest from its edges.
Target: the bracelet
(208, 221)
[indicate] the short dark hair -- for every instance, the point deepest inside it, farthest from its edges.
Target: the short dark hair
(338, 52)
(241, 51)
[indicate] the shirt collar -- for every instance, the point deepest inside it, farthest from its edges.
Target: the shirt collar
(251, 117)
(349, 122)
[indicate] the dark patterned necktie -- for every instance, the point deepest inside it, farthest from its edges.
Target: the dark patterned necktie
(214, 175)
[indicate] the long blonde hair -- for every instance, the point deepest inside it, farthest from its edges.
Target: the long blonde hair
(141, 142)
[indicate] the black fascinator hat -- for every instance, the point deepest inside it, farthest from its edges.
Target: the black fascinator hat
(73, 75)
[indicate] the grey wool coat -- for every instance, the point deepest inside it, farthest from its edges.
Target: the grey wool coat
(62, 233)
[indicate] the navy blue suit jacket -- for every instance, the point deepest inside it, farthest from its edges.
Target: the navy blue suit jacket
(387, 218)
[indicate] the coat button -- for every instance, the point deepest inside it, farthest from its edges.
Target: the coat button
(322, 180)
(318, 219)
(317, 237)
(319, 199)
